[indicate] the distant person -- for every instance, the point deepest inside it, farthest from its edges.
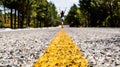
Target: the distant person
(62, 18)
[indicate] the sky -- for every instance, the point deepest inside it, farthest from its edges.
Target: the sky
(64, 4)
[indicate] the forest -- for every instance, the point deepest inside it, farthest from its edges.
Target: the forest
(95, 13)
(41, 13)
(28, 13)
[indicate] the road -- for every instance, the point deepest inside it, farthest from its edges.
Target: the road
(21, 48)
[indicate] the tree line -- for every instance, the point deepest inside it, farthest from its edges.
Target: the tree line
(95, 13)
(28, 13)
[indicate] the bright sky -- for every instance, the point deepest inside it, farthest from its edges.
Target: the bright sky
(64, 4)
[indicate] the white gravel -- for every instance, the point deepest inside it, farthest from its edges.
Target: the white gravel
(100, 46)
(21, 48)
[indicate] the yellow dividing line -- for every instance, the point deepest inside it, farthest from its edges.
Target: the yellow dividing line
(62, 52)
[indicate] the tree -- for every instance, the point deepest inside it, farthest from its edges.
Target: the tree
(52, 18)
(40, 10)
(85, 6)
(46, 13)
(73, 16)
(100, 12)
(9, 4)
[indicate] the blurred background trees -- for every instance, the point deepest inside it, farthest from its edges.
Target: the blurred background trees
(73, 16)
(28, 13)
(96, 13)
(41, 13)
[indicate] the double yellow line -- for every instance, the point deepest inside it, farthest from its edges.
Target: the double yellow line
(61, 52)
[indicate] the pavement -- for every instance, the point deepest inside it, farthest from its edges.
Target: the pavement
(23, 47)
(100, 46)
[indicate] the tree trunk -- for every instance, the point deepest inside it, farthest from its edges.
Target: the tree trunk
(11, 19)
(34, 22)
(22, 21)
(39, 23)
(26, 21)
(111, 17)
(4, 14)
(29, 21)
(15, 19)
(28, 14)
(18, 19)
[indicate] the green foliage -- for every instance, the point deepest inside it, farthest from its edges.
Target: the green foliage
(35, 13)
(46, 14)
(100, 12)
(95, 13)
(52, 15)
(73, 16)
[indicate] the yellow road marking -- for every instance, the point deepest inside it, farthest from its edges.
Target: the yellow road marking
(62, 52)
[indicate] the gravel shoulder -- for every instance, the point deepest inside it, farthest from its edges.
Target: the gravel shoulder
(100, 46)
(21, 48)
